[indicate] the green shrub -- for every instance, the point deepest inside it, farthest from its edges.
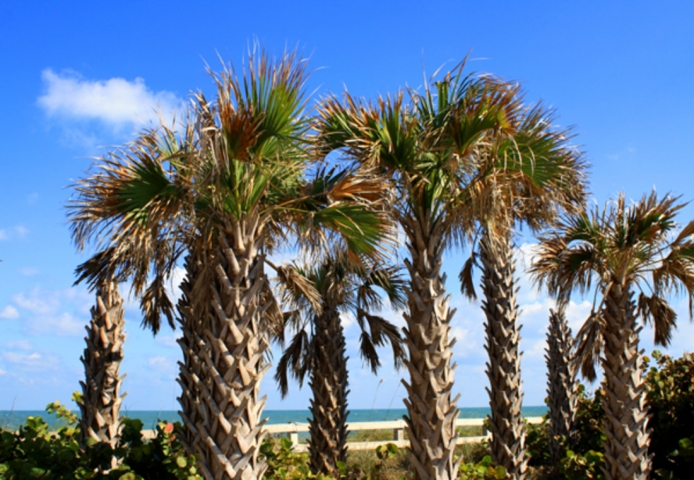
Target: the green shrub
(482, 470)
(33, 452)
(670, 387)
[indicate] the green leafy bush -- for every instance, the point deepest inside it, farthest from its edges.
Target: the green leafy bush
(34, 452)
(583, 458)
(670, 387)
(482, 470)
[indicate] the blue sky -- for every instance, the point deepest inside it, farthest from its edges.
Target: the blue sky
(79, 77)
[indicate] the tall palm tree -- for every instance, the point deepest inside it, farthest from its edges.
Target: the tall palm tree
(531, 175)
(431, 152)
(623, 250)
(562, 387)
(318, 346)
(226, 188)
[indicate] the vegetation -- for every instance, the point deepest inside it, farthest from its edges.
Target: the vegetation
(462, 163)
(345, 286)
(624, 250)
(34, 452)
(225, 189)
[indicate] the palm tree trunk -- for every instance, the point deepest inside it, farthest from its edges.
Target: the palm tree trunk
(328, 425)
(503, 337)
(562, 388)
(432, 413)
(191, 372)
(625, 427)
(101, 398)
(228, 424)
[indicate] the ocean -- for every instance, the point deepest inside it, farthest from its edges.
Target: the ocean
(11, 420)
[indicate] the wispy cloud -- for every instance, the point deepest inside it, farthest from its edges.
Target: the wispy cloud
(115, 102)
(9, 313)
(18, 231)
(31, 362)
(64, 324)
(18, 345)
(55, 312)
(29, 271)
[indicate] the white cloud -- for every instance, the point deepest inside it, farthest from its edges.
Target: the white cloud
(33, 198)
(17, 231)
(37, 302)
(31, 362)
(55, 312)
(164, 365)
(28, 271)
(115, 102)
(9, 312)
(18, 345)
(347, 319)
(2, 372)
(64, 324)
(168, 340)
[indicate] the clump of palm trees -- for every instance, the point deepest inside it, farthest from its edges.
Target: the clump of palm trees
(463, 162)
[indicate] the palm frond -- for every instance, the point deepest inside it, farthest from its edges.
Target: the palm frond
(295, 361)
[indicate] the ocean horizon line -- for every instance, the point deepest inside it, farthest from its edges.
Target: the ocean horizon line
(13, 419)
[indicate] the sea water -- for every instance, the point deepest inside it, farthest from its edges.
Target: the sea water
(11, 420)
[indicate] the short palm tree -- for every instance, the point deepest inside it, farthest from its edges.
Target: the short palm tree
(317, 349)
(431, 151)
(622, 251)
(562, 387)
(530, 174)
(226, 188)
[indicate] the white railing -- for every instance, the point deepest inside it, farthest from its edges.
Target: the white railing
(398, 426)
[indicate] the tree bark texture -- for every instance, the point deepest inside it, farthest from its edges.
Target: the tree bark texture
(229, 345)
(328, 425)
(191, 368)
(628, 438)
(503, 370)
(432, 412)
(101, 398)
(562, 388)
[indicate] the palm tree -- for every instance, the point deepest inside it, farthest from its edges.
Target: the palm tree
(562, 387)
(625, 250)
(226, 188)
(101, 398)
(431, 152)
(344, 287)
(531, 174)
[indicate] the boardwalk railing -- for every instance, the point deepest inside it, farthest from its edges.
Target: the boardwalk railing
(398, 426)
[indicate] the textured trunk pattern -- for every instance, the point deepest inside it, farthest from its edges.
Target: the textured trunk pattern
(503, 336)
(101, 398)
(229, 344)
(432, 412)
(562, 388)
(191, 371)
(328, 425)
(626, 445)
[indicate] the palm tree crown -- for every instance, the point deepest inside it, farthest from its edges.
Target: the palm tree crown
(629, 246)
